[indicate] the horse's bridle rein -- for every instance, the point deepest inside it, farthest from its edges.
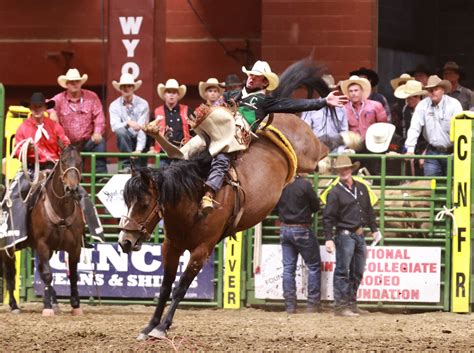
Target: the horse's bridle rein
(62, 175)
(130, 225)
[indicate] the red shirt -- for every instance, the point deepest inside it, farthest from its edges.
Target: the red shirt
(48, 148)
(80, 119)
(368, 113)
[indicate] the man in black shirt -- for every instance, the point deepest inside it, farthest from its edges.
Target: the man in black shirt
(297, 204)
(348, 209)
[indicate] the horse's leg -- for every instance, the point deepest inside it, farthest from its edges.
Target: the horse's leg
(170, 260)
(54, 300)
(46, 276)
(10, 272)
(196, 261)
(74, 300)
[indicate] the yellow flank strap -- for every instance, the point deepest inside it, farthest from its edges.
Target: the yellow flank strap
(277, 137)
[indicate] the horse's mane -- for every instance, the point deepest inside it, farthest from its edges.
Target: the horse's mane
(181, 177)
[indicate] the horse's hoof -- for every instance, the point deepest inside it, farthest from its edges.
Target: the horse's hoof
(16, 311)
(56, 308)
(142, 337)
(77, 312)
(155, 333)
(48, 312)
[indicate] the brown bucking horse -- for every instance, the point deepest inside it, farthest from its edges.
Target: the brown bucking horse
(55, 222)
(173, 193)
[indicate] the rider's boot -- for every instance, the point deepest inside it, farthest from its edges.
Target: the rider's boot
(207, 203)
(91, 217)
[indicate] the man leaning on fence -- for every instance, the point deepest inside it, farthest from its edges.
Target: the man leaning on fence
(348, 210)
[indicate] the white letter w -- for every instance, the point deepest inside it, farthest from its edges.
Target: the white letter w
(130, 24)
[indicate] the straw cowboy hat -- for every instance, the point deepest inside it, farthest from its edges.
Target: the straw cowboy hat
(171, 84)
(343, 161)
(400, 80)
(261, 68)
(379, 136)
(452, 65)
(72, 75)
(211, 82)
(369, 73)
(363, 82)
(329, 79)
(127, 79)
(410, 89)
(435, 81)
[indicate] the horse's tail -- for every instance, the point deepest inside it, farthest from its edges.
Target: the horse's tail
(303, 73)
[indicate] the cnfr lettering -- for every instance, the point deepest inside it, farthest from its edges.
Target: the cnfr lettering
(462, 153)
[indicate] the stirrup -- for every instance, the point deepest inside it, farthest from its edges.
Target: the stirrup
(207, 204)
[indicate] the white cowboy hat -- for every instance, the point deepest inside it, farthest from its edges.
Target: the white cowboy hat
(363, 82)
(171, 84)
(211, 82)
(400, 80)
(329, 79)
(72, 75)
(379, 136)
(261, 68)
(435, 81)
(409, 89)
(127, 79)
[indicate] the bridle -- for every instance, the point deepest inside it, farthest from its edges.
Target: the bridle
(62, 176)
(130, 225)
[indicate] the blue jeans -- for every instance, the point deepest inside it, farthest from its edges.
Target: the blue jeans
(302, 241)
(126, 142)
(350, 265)
(435, 167)
(101, 164)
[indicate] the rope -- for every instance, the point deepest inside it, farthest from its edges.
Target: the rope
(447, 212)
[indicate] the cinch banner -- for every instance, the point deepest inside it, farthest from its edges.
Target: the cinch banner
(392, 274)
(120, 275)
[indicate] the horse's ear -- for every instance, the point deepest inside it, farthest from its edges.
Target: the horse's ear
(61, 144)
(146, 177)
(133, 167)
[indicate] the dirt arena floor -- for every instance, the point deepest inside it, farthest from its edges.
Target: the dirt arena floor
(114, 328)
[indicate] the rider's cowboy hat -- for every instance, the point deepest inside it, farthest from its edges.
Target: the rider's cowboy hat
(400, 80)
(453, 66)
(72, 75)
(171, 84)
(211, 82)
(378, 137)
(38, 98)
(343, 161)
(127, 79)
(363, 82)
(435, 81)
(261, 68)
(370, 74)
(410, 89)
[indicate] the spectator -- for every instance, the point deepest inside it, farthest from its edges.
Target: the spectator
(413, 93)
(453, 73)
(80, 113)
(233, 83)
(421, 73)
(128, 113)
(211, 91)
(373, 78)
(397, 107)
(297, 203)
(328, 122)
(433, 115)
(172, 117)
(348, 209)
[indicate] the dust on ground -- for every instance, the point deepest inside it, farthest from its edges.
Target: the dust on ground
(114, 328)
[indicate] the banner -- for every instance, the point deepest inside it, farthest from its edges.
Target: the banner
(233, 264)
(392, 274)
(112, 273)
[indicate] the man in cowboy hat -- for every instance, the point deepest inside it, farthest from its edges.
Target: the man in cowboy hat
(254, 105)
(47, 136)
(421, 73)
(433, 116)
(128, 113)
(348, 210)
(80, 113)
(373, 78)
(233, 82)
(453, 73)
(211, 91)
(396, 109)
(172, 117)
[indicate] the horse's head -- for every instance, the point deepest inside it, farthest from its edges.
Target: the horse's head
(144, 212)
(70, 165)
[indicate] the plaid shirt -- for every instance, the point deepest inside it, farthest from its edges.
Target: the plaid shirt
(80, 119)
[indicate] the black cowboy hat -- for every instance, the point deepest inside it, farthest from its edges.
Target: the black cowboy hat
(371, 75)
(38, 98)
(232, 80)
(421, 68)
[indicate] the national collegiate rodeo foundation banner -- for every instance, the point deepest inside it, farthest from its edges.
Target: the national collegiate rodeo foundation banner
(136, 275)
(392, 274)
